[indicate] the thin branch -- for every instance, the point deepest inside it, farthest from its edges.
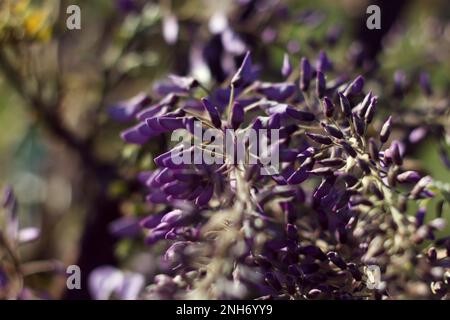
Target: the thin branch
(47, 114)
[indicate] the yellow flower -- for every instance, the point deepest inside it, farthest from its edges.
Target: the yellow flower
(34, 22)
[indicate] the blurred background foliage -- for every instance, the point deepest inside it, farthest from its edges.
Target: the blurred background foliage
(120, 51)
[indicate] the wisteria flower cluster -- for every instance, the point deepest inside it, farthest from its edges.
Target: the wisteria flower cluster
(333, 223)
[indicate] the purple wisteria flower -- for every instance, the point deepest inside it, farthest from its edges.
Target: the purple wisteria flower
(310, 230)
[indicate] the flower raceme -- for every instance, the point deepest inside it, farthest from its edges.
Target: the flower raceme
(238, 227)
